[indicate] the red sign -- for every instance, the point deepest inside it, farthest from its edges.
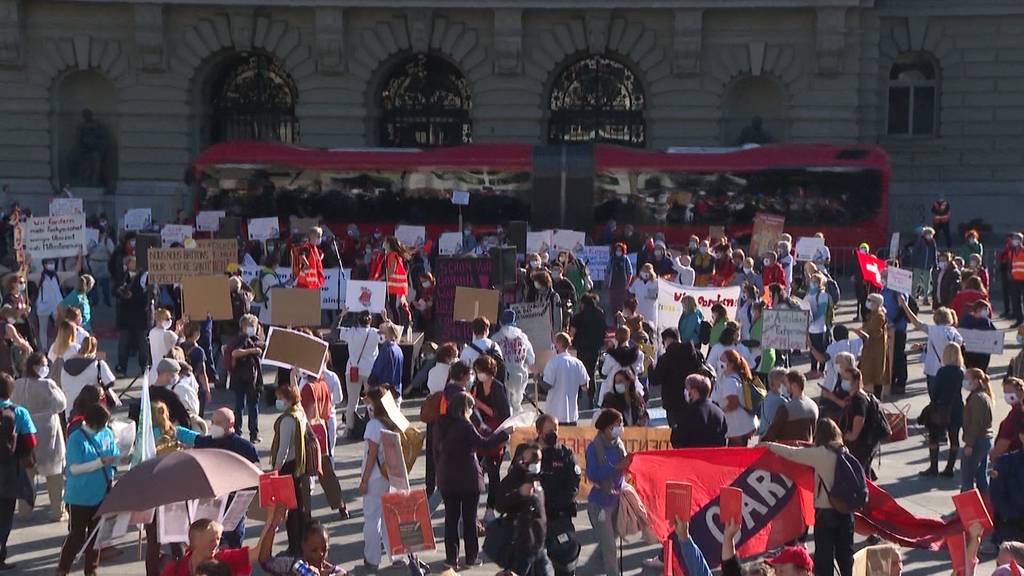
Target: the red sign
(407, 521)
(276, 489)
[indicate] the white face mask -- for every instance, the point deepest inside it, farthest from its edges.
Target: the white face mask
(747, 270)
(658, 253)
(280, 405)
(250, 331)
(767, 262)
(166, 324)
(427, 284)
(1011, 398)
(22, 287)
(968, 385)
(217, 431)
(617, 431)
(556, 275)
(693, 245)
(49, 266)
(645, 276)
(533, 468)
(1015, 243)
(620, 388)
(618, 253)
(44, 371)
(943, 265)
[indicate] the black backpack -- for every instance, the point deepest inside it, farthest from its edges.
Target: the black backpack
(705, 332)
(876, 425)
(8, 434)
(500, 373)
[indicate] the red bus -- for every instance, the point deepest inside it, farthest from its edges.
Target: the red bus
(842, 191)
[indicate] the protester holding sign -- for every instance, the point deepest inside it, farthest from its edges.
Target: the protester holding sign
(133, 301)
(289, 456)
(607, 461)
(373, 479)
(48, 299)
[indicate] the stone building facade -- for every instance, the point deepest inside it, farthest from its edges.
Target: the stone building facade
(938, 83)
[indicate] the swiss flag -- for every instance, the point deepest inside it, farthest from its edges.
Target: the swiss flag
(872, 269)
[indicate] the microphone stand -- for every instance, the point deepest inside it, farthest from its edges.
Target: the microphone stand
(341, 270)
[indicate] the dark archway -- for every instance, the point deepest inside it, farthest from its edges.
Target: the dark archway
(253, 98)
(425, 101)
(597, 99)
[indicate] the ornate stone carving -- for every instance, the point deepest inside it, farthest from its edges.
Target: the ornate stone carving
(90, 157)
(508, 41)
(330, 40)
(597, 22)
(686, 41)
(150, 37)
(420, 24)
(10, 33)
(830, 41)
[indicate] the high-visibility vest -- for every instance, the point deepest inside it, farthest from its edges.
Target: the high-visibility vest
(1017, 264)
(397, 280)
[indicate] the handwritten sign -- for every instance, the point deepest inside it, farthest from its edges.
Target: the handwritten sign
(335, 285)
(54, 236)
(983, 341)
(535, 320)
(807, 247)
(66, 206)
(899, 280)
(569, 240)
(209, 220)
(174, 234)
(223, 251)
(138, 219)
(449, 244)
(407, 521)
(365, 296)
(413, 236)
(596, 258)
(170, 265)
(767, 229)
(539, 241)
(452, 273)
(671, 295)
(784, 329)
(264, 228)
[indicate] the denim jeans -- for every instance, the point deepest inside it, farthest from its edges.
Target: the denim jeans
(974, 468)
(243, 397)
(833, 542)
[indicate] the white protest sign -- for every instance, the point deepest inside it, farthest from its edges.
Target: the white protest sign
(899, 280)
(784, 329)
(335, 283)
(671, 295)
(449, 244)
(983, 341)
(264, 228)
(174, 234)
(535, 320)
(54, 236)
(894, 245)
(460, 197)
(368, 296)
(209, 220)
(596, 258)
(539, 241)
(236, 511)
(412, 236)
(172, 523)
(138, 219)
(92, 237)
(66, 206)
(569, 240)
(807, 247)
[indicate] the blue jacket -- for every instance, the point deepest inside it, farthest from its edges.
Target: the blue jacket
(387, 368)
(601, 470)
(689, 327)
(232, 443)
(89, 488)
(944, 392)
(924, 254)
(894, 315)
(1005, 492)
(620, 270)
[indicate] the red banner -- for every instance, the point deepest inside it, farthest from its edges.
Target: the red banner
(872, 269)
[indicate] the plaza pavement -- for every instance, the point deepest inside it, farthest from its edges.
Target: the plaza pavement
(35, 545)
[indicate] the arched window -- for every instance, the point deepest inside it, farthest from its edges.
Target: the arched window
(425, 101)
(913, 96)
(253, 98)
(597, 99)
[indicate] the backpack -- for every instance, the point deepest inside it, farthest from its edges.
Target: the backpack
(705, 331)
(832, 289)
(754, 394)
(8, 434)
(257, 289)
(500, 373)
(876, 425)
(849, 487)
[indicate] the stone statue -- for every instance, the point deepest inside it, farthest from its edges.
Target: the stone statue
(755, 133)
(90, 153)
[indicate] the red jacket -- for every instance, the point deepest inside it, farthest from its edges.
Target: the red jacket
(773, 274)
(307, 266)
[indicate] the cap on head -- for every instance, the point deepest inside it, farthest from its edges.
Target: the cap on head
(168, 365)
(794, 555)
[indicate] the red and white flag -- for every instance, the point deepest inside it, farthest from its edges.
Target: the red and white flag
(872, 269)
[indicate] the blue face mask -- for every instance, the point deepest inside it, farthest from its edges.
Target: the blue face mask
(280, 404)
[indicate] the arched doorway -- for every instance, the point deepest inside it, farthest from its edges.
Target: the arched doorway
(84, 134)
(253, 98)
(424, 101)
(749, 101)
(597, 99)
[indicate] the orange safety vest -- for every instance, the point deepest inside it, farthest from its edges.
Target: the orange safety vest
(397, 280)
(1017, 264)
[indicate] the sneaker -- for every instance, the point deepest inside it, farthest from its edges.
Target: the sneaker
(654, 563)
(400, 562)
(474, 562)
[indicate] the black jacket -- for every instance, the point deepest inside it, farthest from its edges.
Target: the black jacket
(527, 511)
(679, 361)
(590, 329)
(701, 426)
(132, 303)
(560, 477)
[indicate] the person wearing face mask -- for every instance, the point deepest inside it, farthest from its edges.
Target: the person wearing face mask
(662, 262)
(819, 303)
(162, 338)
(733, 370)
(977, 431)
(92, 454)
(942, 332)
(47, 301)
(288, 454)
(1007, 439)
(703, 265)
(521, 497)
(564, 288)
(133, 300)
(1007, 500)
(743, 274)
(98, 257)
(774, 400)
(560, 478)
(644, 289)
(924, 257)
(617, 276)
(44, 400)
(247, 375)
(423, 305)
(945, 281)
(607, 462)
(795, 420)
(168, 373)
(624, 398)
(545, 293)
(624, 354)
(977, 316)
(222, 436)
(17, 298)
(726, 267)
(685, 275)
(783, 251)
(492, 403)
(690, 322)
(874, 358)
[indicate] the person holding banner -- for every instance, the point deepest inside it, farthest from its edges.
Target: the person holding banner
(607, 462)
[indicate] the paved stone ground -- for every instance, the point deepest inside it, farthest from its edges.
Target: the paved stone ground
(34, 545)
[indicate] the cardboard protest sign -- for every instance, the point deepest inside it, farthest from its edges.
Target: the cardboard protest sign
(202, 295)
(807, 247)
(335, 284)
(264, 228)
(223, 251)
(535, 320)
(899, 280)
(174, 234)
(452, 273)
(209, 220)
(636, 438)
(413, 236)
(66, 206)
(362, 296)
(394, 460)
(596, 258)
(449, 244)
(767, 229)
(407, 521)
(295, 307)
(473, 302)
(784, 329)
(983, 341)
(138, 219)
(54, 236)
(539, 241)
(569, 240)
(291, 349)
(170, 265)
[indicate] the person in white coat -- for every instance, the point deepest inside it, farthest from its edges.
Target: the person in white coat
(625, 355)
(645, 289)
(47, 301)
(81, 370)
(162, 339)
(362, 341)
(44, 400)
(518, 353)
